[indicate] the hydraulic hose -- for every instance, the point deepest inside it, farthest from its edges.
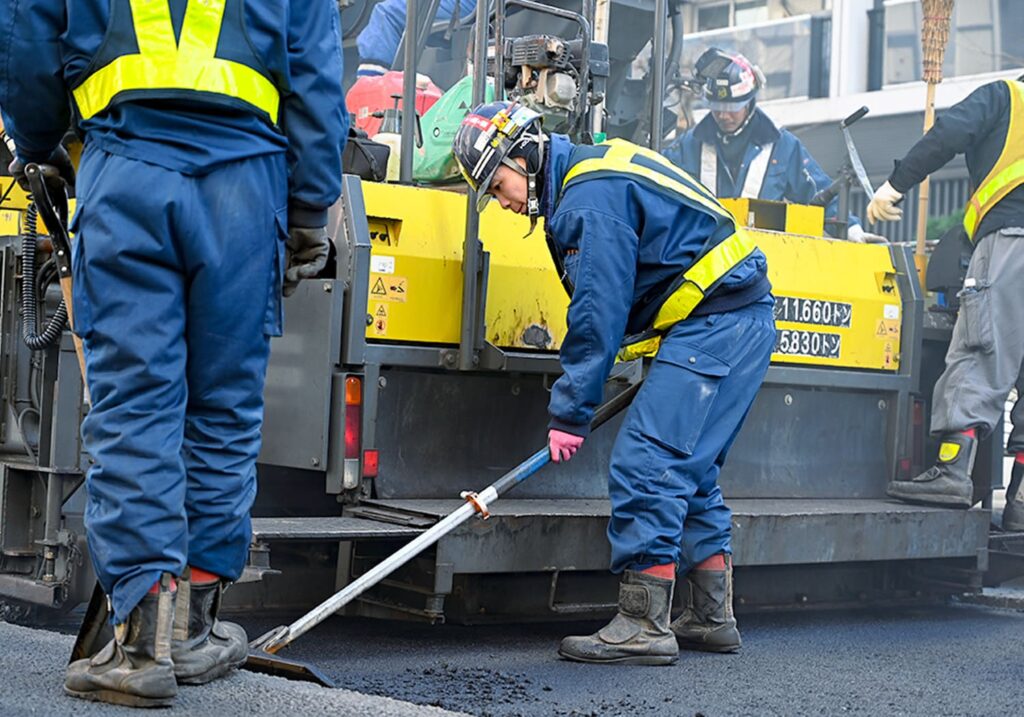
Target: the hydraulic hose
(29, 301)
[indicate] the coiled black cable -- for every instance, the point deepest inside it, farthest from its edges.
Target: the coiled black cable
(29, 301)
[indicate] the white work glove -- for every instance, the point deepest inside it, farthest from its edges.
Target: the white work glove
(857, 235)
(306, 251)
(883, 205)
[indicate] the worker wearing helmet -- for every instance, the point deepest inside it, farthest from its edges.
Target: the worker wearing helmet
(656, 268)
(986, 354)
(213, 136)
(737, 151)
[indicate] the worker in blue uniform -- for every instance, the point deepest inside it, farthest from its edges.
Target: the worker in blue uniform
(213, 134)
(656, 268)
(737, 151)
(378, 41)
(985, 359)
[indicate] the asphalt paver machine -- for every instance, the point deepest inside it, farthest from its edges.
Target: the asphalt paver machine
(418, 366)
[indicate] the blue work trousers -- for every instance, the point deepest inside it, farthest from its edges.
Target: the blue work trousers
(177, 283)
(666, 503)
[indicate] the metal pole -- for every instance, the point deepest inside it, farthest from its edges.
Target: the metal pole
(408, 93)
(658, 72)
(499, 50)
(602, 12)
(471, 248)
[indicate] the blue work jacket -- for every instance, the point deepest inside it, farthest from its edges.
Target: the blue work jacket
(621, 243)
(792, 174)
(46, 48)
(378, 41)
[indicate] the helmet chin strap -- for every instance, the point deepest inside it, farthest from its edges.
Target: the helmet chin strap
(532, 200)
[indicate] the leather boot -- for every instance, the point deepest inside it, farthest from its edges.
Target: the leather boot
(707, 622)
(948, 482)
(1013, 513)
(204, 648)
(639, 634)
(135, 667)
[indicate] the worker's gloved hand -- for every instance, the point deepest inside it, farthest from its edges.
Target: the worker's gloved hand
(562, 445)
(57, 167)
(883, 205)
(307, 251)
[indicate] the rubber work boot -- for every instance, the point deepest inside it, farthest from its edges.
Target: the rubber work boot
(1013, 513)
(948, 482)
(135, 667)
(707, 622)
(204, 648)
(639, 634)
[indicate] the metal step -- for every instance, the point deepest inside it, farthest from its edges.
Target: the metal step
(539, 534)
(328, 528)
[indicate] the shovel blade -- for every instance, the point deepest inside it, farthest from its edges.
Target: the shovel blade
(264, 663)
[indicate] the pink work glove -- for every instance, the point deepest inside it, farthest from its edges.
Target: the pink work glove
(562, 445)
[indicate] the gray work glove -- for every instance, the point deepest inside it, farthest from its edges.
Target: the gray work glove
(57, 167)
(306, 251)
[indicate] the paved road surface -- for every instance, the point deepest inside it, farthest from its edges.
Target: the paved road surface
(957, 660)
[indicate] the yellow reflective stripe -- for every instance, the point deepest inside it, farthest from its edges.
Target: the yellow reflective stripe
(991, 193)
(619, 158)
(1008, 171)
(200, 29)
(717, 263)
(639, 349)
(190, 65)
(154, 31)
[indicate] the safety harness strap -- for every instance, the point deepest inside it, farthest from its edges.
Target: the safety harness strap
(189, 64)
(714, 264)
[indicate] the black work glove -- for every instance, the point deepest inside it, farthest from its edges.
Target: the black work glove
(56, 168)
(307, 251)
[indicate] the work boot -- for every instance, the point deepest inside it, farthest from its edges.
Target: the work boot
(204, 648)
(1013, 513)
(135, 667)
(948, 482)
(707, 622)
(639, 634)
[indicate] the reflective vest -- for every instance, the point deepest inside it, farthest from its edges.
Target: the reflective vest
(1008, 172)
(150, 64)
(728, 247)
(755, 172)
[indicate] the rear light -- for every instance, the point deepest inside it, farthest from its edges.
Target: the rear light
(370, 460)
(353, 416)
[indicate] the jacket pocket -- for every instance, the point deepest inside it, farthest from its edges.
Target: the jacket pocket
(681, 387)
(976, 318)
(273, 318)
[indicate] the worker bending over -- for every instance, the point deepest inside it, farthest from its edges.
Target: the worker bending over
(656, 268)
(737, 151)
(986, 355)
(213, 134)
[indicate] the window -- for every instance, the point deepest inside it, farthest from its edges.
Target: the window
(712, 17)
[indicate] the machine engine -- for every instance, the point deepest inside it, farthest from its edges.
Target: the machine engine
(560, 78)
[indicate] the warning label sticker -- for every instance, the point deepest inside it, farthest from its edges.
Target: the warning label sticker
(388, 287)
(380, 319)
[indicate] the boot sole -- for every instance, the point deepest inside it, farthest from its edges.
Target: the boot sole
(120, 698)
(942, 501)
(631, 660)
(704, 647)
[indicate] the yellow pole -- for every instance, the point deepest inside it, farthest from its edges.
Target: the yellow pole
(922, 197)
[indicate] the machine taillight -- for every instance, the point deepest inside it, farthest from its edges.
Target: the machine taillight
(353, 415)
(370, 461)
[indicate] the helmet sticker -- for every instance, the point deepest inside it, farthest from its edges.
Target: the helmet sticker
(481, 123)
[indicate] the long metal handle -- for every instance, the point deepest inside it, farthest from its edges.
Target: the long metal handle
(281, 637)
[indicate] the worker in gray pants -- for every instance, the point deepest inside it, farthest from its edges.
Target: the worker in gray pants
(986, 356)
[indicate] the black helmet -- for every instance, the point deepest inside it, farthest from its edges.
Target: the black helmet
(730, 81)
(485, 140)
